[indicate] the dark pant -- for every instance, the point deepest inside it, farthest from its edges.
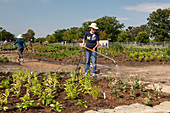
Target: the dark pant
(20, 50)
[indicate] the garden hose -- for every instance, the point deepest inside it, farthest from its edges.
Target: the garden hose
(102, 55)
(71, 58)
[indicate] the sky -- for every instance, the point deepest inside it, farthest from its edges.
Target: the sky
(44, 17)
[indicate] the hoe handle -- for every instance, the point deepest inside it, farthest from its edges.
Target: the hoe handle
(88, 49)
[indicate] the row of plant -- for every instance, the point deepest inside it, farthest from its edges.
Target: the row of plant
(137, 54)
(55, 56)
(53, 48)
(3, 58)
(34, 90)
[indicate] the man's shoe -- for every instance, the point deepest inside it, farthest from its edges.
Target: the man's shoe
(94, 75)
(85, 74)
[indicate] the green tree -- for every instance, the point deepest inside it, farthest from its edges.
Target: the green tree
(84, 28)
(58, 34)
(159, 23)
(72, 34)
(134, 31)
(103, 35)
(41, 39)
(1, 32)
(29, 35)
(111, 26)
(5, 35)
(51, 38)
(142, 37)
(123, 37)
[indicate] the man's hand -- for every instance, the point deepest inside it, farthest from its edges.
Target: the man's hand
(93, 49)
(84, 45)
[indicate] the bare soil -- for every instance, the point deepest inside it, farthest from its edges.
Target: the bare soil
(70, 106)
(147, 71)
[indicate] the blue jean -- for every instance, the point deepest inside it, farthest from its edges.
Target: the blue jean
(94, 59)
(20, 51)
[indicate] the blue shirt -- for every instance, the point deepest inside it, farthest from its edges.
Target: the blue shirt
(91, 39)
(21, 43)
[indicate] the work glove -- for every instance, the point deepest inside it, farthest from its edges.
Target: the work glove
(13, 46)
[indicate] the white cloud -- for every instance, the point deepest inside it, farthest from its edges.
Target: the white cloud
(122, 18)
(148, 7)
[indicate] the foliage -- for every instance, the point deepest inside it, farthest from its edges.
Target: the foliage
(159, 58)
(123, 37)
(71, 90)
(71, 35)
(5, 35)
(142, 37)
(158, 22)
(51, 38)
(117, 47)
(46, 99)
(3, 100)
(81, 103)
(111, 26)
(134, 31)
(5, 83)
(95, 91)
(103, 35)
(168, 51)
(29, 35)
(27, 103)
(58, 34)
(146, 58)
(57, 107)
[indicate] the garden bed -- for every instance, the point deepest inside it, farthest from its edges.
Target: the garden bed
(74, 92)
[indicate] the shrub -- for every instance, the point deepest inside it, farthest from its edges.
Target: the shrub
(135, 59)
(151, 57)
(168, 52)
(159, 58)
(146, 58)
(140, 58)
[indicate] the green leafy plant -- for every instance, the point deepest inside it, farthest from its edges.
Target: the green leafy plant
(5, 83)
(159, 58)
(81, 103)
(57, 107)
(71, 90)
(95, 92)
(27, 103)
(140, 58)
(46, 99)
(85, 84)
(146, 58)
(116, 91)
(151, 57)
(3, 100)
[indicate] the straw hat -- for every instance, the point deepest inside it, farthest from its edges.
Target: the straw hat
(19, 36)
(94, 25)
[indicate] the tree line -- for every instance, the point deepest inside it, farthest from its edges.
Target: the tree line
(157, 29)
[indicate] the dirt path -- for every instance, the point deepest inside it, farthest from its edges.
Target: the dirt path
(153, 73)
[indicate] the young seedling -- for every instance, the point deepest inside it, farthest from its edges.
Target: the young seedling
(3, 100)
(27, 103)
(95, 92)
(57, 107)
(81, 103)
(47, 99)
(71, 90)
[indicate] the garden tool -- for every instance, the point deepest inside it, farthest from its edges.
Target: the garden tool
(105, 57)
(102, 55)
